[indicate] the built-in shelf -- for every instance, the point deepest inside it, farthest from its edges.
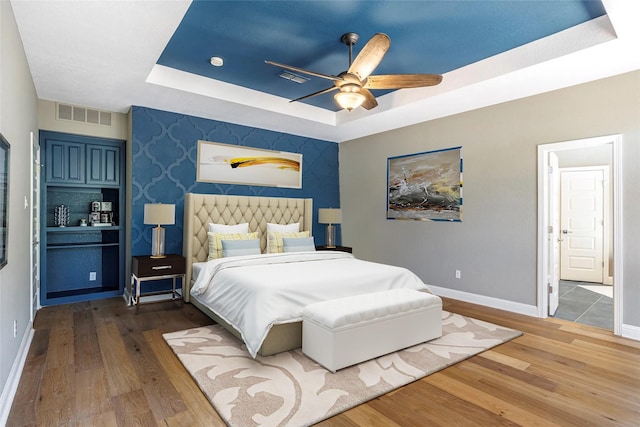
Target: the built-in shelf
(81, 245)
(81, 263)
(78, 229)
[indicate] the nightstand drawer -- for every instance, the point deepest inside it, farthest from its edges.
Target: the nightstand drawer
(334, 248)
(145, 266)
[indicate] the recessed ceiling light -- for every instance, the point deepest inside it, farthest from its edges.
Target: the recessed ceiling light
(216, 61)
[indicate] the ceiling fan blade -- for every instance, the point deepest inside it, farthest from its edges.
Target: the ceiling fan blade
(401, 81)
(370, 100)
(370, 56)
(302, 70)
(320, 92)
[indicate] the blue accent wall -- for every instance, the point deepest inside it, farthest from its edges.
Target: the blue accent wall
(165, 151)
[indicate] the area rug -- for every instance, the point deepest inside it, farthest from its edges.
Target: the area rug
(289, 389)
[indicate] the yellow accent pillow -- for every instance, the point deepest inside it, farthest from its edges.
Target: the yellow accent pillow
(215, 242)
(275, 243)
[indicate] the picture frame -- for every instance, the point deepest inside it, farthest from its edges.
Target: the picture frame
(425, 186)
(4, 200)
(234, 164)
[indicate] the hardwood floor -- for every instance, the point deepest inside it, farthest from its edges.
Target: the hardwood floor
(101, 363)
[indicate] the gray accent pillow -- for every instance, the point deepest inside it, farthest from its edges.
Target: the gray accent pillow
(298, 244)
(240, 247)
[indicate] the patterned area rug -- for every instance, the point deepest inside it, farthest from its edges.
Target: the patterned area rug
(289, 389)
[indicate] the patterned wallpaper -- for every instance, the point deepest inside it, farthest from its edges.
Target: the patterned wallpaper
(164, 169)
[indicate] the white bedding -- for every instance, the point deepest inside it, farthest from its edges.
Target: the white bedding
(196, 269)
(254, 292)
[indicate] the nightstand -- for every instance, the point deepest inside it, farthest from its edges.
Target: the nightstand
(335, 248)
(145, 268)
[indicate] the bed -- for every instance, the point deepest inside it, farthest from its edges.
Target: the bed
(286, 332)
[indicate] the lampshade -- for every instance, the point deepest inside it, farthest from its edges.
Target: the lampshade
(349, 97)
(159, 214)
(329, 216)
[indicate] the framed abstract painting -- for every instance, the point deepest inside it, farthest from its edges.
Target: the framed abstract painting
(234, 164)
(425, 186)
(4, 199)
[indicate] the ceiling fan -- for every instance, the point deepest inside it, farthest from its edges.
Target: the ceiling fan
(354, 84)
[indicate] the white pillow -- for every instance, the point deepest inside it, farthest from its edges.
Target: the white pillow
(229, 229)
(294, 227)
(298, 244)
(275, 243)
(283, 228)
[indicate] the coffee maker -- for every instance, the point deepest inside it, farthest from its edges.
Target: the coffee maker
(101, 214)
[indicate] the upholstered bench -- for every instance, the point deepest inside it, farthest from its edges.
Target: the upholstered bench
(342, 332)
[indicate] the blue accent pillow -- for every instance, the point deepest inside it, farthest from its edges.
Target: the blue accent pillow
(298, 244)
(240, 247)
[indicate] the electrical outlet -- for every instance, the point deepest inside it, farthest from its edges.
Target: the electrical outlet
(15, 328)
(458, 274)
(92, 276)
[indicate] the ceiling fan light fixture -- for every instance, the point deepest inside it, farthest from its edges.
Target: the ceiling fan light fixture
(349, 97)
(349, 100)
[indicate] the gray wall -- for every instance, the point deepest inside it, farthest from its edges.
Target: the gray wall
(18, 112)
(495, 246)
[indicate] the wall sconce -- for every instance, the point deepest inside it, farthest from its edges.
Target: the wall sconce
(330, 216)
(158, 214)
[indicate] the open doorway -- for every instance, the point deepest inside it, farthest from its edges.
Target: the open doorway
(580, 239)
(586, 288)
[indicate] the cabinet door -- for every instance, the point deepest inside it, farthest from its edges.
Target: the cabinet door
(64, 162)
(103, 165)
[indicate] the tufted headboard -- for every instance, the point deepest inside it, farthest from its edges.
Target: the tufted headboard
(201, 209)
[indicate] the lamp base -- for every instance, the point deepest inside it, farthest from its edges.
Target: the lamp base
(157, 243)
(331, 236)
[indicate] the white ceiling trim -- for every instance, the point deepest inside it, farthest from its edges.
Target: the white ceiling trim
(102, 54)
(222, 91)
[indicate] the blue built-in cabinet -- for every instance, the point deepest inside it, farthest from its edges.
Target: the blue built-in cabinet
(65, 162)
(103, 165)
(81, 262)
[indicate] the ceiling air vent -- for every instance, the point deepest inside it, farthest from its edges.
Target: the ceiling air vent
(288, 75)
(84, 115)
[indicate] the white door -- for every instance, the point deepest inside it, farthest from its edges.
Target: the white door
(35, 226)
(554, 234)
(582, 216)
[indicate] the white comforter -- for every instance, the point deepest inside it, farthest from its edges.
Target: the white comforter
(254, 292)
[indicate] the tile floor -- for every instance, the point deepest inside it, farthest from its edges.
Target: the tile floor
(584, 306)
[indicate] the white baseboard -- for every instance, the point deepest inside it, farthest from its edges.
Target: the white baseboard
(11, 386)
(501, 304)
(630, 331)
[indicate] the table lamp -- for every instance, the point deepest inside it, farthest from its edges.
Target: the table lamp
(159, 214)
(330, 216)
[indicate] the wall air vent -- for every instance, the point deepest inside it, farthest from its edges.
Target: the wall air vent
(82, 114)
(288, 75)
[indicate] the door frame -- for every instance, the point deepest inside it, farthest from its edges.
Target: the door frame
(34, 226)
(553, 235)
(543, 220)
